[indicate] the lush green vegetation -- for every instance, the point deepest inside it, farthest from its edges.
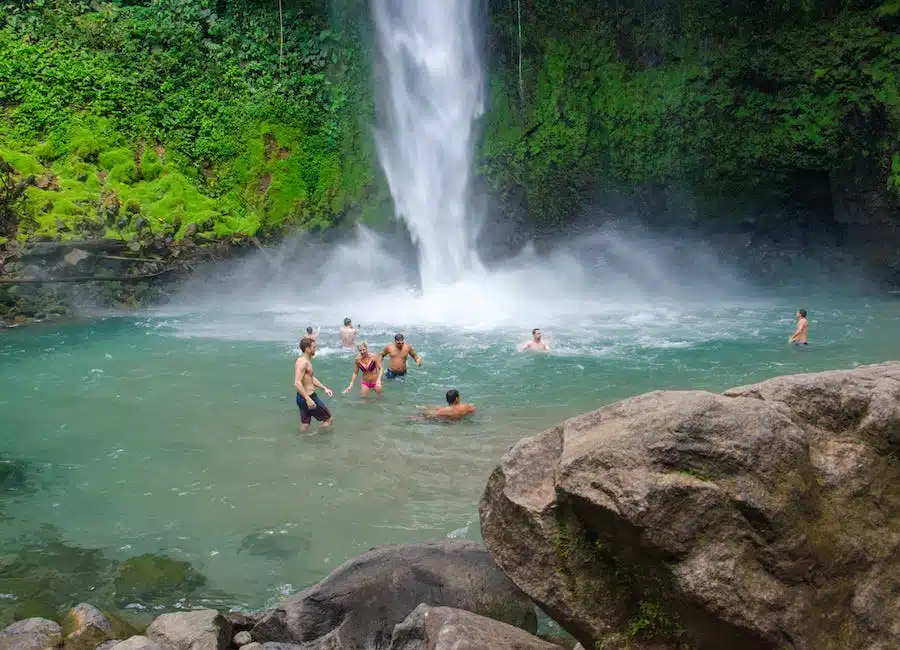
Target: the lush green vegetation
(727, 99)
(182, 116)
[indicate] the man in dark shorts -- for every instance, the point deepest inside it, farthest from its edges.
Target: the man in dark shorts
(398, 351)
(311, 406)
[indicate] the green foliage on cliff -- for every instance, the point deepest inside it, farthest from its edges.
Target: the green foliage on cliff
(725, 99)
(182, 114)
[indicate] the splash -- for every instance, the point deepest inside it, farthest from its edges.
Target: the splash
(431, 93)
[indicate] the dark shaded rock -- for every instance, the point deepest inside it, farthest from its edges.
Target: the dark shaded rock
(85, 627)
(358, 605)
(768, 516)
(31, 634)
(240, 621)
(202, 629)
(445, 628)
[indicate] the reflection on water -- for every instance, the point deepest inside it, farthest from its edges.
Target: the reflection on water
(176, 434)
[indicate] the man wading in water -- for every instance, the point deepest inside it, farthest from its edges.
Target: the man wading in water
(305, 382)
(371, 368)
(800, 336)
(398, 351)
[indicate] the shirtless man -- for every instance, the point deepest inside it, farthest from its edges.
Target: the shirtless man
(800, 335)
(371, 368)
(306, 383)
(310, 334)
(398, 351)
(535, 343)
(348, 333)
(455, 409)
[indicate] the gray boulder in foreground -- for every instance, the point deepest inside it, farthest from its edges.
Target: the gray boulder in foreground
(445, 628)
(202, 629)
(357, 606)
(31, 634)
(767, 517)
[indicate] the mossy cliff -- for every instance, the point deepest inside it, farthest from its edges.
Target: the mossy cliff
(218, 120)
(778, 116)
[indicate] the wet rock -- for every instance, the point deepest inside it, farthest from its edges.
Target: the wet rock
(139, 643)
(85, 628)
(242, 638)
(31, 634)
(445, 628)
(107, 645)
(202, 629)
(768, 515)
(253, 646)
(358, 605)
(75, 256)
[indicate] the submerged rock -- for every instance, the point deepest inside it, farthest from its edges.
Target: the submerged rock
(31, 634)
(445, 628)
(202, 629)
(153, 578)
(85, 627)
(768, 515)
(357, 606)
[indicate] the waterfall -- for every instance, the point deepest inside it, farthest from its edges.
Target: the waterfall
(431, 90)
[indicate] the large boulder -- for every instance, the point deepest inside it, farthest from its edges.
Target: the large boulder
(446, 628)
(768, 516)
(201, 629)
(31, 634)
(358, 605)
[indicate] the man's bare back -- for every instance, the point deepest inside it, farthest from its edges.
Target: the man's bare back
(455, 409)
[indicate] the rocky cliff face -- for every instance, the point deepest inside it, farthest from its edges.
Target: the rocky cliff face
(765, 517)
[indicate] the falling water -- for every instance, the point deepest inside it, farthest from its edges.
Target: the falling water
(431, 93)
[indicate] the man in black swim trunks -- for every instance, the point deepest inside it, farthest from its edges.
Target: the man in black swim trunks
(305, 382)
(398, 351)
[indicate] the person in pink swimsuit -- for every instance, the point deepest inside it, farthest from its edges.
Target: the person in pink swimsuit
(371, 368)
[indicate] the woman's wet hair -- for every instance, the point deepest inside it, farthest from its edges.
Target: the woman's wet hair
(362, 345)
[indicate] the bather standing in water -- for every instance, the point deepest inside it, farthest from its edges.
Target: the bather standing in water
(310, 334)
(371, 368)
(398, 351)
(310, 405)
(348, 333)
(802, 332)
(536, 343)
(455, 409)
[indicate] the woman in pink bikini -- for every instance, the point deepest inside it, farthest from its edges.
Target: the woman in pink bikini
(371, 368)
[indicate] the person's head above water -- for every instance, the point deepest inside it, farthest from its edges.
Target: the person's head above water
(308, 346)
(801, 313)
(363, 348)
(347, 322)
(309, 330)
(536, 334)
(452, 396)
(398, 339)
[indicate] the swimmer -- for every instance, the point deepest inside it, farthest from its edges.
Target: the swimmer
(371, 367)
(305, 382)
(455, 409)
(535, 343)
(800, 335)
(312, 335)
(347, 334)
(398, 351)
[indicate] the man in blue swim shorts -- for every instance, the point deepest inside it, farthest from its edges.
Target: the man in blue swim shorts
(398, 351)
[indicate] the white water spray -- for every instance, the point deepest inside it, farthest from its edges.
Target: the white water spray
(431, 93)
